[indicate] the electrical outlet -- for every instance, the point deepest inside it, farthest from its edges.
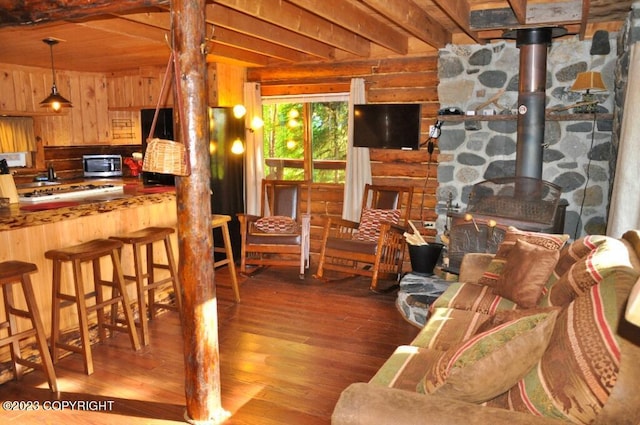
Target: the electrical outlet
(429, 224)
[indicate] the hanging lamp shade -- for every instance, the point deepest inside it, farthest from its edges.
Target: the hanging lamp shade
(54, 101)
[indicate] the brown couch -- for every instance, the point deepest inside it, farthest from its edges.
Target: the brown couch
(570, 358)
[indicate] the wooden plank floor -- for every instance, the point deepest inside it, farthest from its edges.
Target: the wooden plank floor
(287, 350)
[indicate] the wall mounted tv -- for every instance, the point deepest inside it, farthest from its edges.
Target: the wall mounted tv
(387, 126)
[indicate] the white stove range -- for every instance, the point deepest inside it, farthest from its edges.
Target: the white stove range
(55, 193)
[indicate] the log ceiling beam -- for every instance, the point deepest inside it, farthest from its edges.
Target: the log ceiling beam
(345, 14)
(40, 11)
(224, 17)
(305, 23)
(413, 19)
(459, 11)
(519, 8)
(234, 41)
(549, 14)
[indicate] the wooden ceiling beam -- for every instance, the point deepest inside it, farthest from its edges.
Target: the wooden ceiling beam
(413, 19)
(291, 17)
(548, 14)
(224, 36)
(345, 14)
(458, 11)
(224, 17)
(585, 19)
(40, 11)
(519, 8)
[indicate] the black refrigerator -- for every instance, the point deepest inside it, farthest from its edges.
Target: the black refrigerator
(163, 130)
(227, 172)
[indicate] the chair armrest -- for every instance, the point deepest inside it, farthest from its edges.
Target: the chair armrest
(338, 222)
(473, 266)
(371, 404)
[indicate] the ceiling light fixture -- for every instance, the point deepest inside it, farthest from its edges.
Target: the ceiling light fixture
(54, 100)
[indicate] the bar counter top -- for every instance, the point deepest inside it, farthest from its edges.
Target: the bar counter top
(134, 194)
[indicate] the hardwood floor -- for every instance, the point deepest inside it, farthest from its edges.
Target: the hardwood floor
(287, 350)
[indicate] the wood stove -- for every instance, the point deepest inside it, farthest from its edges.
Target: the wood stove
(494, 205)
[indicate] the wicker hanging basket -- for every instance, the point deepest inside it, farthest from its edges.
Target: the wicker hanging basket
(166, 157)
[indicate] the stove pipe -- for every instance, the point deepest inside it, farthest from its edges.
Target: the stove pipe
(533, 44)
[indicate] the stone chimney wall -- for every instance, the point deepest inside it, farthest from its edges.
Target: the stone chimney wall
(577, 154)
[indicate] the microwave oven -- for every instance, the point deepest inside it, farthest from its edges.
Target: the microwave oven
(102, 165)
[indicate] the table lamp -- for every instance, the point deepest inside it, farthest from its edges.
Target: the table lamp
(588, 82)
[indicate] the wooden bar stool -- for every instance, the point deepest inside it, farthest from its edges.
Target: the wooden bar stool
(12, 272)
(146, 238)
(90, 251)
(220, 221)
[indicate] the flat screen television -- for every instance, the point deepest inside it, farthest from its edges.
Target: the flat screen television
(387, 126)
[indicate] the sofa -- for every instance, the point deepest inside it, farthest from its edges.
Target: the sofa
(534, 334)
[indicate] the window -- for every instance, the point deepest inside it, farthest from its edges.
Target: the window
(305, 137)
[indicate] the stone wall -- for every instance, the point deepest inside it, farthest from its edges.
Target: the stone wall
(576, 153)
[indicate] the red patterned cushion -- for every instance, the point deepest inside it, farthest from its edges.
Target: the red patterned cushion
(277, 224)
(545, 240)
(578, 371)
(605, 260)
(369, 228)
(575, 251)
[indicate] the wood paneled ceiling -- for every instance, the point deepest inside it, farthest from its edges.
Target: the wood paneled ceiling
(120, 36)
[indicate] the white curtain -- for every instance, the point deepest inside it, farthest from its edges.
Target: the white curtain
(254, 155)
(624, 209)
(358, 172)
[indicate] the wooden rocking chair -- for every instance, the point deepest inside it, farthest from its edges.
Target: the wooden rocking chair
(373, 247)
(279, 236)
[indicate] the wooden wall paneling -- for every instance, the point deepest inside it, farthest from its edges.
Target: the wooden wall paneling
(40, 87)
(7, 88)
(230, 80)
(103, 124)
(88, 110)
(119, 92)
(22, 90)
(75, 114)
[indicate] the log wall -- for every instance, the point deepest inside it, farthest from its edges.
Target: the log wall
(403, 80)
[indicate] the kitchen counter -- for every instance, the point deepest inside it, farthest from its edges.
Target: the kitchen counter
(29, 230)
(134, 194)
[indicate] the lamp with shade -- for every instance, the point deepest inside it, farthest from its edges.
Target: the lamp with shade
(55, 101)
(588, 82)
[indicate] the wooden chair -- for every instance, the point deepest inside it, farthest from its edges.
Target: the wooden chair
(279, 236)
(374, 246)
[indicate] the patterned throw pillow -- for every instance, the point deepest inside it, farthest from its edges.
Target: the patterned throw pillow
(489, 363)
(576, 251)
(603, 261)
(494, 270)
(369, 228)
(277, 224)
(577, 373)
(525, 273)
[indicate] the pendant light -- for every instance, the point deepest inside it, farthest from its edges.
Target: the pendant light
(54, 100)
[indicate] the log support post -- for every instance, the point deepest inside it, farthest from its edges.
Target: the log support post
(195, 239)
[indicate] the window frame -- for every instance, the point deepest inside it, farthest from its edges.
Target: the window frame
(308, 162)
